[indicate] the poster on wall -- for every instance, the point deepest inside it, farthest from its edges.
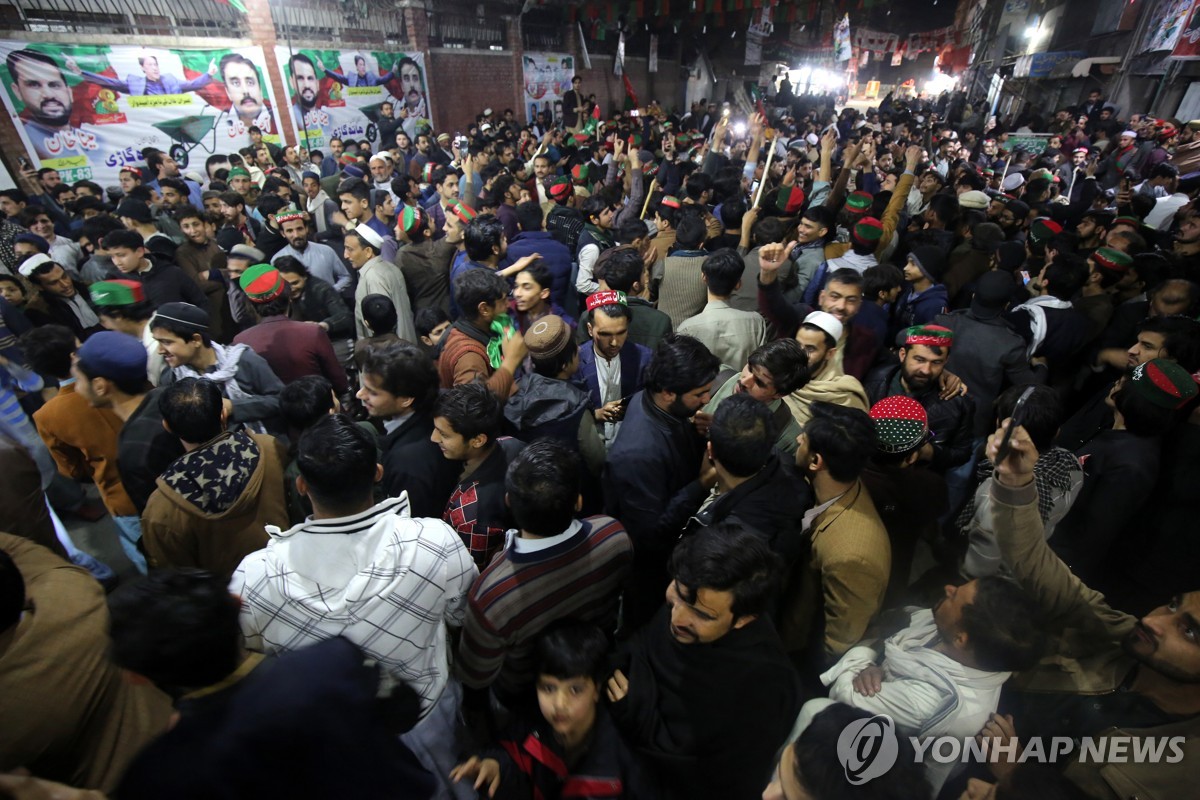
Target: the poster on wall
(1166, 23)
(89, 110)
(547, 78)
(342, 93)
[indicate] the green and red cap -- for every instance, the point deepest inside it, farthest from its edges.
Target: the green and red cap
(1164, 383)
(901, 424)
(262, 283)
(868, 230)
(1110, 258)
(859, 202)
(929, 336)
(117, 293)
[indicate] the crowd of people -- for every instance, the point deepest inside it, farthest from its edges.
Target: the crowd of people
(638, 457)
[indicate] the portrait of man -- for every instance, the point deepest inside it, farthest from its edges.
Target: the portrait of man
(151, 81)
(415, 110)
(305, 86)
(244, 88)
(361, 75)
(40, 85)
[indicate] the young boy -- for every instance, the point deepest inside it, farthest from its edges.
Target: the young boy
(585, 753)
(531, 297)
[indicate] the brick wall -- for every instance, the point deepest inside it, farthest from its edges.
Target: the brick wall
(464, 82)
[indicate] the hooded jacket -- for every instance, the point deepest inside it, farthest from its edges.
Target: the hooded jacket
(212, 505)
(925, 692)
(385, 581)
(547, 407)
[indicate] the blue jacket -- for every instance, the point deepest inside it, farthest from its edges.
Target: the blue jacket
(921, 310)
(634, 360)
(555, 256)
(138, 85)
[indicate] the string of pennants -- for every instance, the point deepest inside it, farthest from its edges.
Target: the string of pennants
(597, 20)
(596, 16)
(882, 42)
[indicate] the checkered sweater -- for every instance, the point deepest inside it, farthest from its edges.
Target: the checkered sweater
(385, 581)
(520, 593)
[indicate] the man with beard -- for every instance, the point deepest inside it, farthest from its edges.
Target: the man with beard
(323, 211)
(840, 297)
(416, 167)
(1091, 230)
(1186, 249)
(305, 86)
(922, 360)
(655, 457)
(321, 260)
(40, 85)
(1114, 673)
(244, 89)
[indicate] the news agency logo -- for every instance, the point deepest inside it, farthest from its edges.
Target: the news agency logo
(869, 748)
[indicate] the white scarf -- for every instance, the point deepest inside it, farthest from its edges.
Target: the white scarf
(1036, 308)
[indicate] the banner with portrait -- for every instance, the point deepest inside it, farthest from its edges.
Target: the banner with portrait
(89, 110)
(341, 94)
(547, 79)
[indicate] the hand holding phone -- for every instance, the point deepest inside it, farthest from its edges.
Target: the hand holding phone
(1015, 421)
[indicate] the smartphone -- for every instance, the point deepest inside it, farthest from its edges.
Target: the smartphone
(633, 112)
(1017, 419)
(1025, 276)
(24, 162)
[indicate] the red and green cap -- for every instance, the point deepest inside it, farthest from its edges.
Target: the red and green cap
(1110, 258)
(1127, 220)
(859, 202)
(427, 172)
(607, 298)
(560, 189)
(901, 424)
(1164, 383)
(868, 230)
(411, 219)
(288, 215)
(348, 159)
(791, 199)
(580, 173)
(1042, 229)
(670, 201)
(650, 170)
(461, 210)
(581, 138)
(929, 336)
(117, 293)
(262, 283)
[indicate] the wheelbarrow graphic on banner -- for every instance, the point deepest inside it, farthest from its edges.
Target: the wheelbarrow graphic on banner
(373, 113)
(187, 133)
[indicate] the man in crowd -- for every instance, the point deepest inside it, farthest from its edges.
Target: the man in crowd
(655, 457)
(576, 570)
(666, 697)
(212, 504)
(249, 388)
(320, 260)
(384, 580)
(399, 388)
(377, 275)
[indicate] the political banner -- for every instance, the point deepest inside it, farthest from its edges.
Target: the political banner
(1187, 46)
(841, 39)
(89, 110)
(342, 94)
(547, 78)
